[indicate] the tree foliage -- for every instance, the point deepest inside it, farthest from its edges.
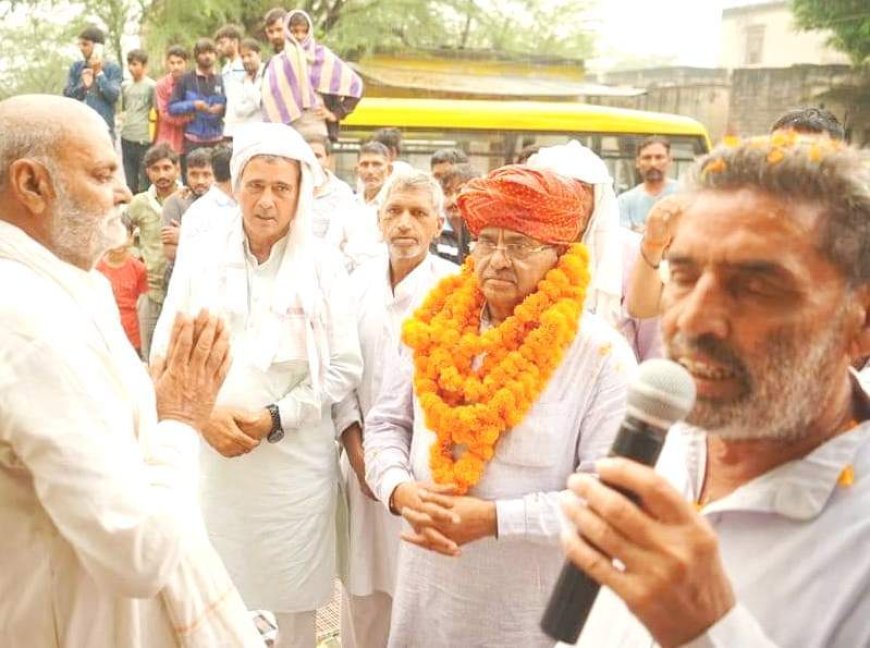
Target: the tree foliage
(848, 20)
(22, 72)
(350, 27)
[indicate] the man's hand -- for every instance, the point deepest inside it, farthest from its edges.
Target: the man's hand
(661, 223)
(256, 425)
(224, 431)
(216, 109)
(442, 521)
(96, 65)
(169, 234)
(322, 112)
(188, 380)
(200, 105)
(673, 580)
(426, 516)
(87, 77)
(351, 439)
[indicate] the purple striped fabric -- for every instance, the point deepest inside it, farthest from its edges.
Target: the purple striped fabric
(317, 66)
(306, 66)
(277, 96)
(356, 86)
(293, 81)
(335, 82)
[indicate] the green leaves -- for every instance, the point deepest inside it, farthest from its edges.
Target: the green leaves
(849, 21)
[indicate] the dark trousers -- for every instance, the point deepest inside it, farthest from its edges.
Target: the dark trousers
(133, 154)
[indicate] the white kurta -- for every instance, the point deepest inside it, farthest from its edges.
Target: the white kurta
(97, 499)
(794, 543)
(362, 239)
(332, 206)
(270, 513)
(374, 532)
(495, 593)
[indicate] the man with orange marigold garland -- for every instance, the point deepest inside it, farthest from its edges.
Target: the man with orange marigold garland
(501, 392)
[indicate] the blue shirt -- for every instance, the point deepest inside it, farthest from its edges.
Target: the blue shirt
(103, 93)
(205, 127)
(635, 204)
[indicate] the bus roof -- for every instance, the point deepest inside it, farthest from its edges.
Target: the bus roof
(540, 116)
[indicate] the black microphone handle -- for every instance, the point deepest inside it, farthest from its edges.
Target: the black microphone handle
(575, 592)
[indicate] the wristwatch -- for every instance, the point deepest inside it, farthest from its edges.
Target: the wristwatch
(277, 432)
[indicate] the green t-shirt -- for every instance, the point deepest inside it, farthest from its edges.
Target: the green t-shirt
(137, 100)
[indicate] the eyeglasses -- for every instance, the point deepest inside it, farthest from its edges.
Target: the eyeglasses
(520, 251)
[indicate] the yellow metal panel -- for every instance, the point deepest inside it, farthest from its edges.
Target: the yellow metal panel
(534, 116)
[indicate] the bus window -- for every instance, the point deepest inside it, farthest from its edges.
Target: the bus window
(490, 149)
(486, 150)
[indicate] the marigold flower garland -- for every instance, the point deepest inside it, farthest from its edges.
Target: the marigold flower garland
(469, 406)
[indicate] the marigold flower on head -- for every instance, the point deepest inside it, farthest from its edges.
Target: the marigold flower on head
(717, 165)
(775, 156)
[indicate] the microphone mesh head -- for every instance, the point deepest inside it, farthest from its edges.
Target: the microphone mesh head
(662, 393)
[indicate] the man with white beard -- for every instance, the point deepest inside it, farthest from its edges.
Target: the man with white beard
(102, 542)
(753, 529)
(385, 290)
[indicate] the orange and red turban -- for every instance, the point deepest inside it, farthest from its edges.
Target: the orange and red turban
(538, 203)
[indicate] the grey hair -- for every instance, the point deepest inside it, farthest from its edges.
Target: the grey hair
(809, 170)
(417, 181)
(37, 139)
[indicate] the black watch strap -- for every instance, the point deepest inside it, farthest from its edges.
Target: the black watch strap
(277, 432)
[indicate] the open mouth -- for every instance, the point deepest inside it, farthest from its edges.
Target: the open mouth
(707, 370)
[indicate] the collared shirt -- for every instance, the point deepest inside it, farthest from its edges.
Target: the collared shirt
(170, 128)
(634, 204)
(235, 78)
(794, 543)
(103, 93)
(145, 212)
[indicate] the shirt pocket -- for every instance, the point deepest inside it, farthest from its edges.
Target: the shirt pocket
(537, 442)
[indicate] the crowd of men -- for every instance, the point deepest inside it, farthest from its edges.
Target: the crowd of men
(410, 384)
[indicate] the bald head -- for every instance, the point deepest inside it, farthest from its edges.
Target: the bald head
(59, 179)
(38, 127)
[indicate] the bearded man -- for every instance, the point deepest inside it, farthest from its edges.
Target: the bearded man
(503, 391)
(102, 542)
(753, 529)
(385, 290)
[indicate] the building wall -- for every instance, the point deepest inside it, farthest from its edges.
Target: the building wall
(699, 93)
(760, 96)
(763, 35)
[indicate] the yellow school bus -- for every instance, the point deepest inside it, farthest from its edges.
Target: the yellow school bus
(493, 132)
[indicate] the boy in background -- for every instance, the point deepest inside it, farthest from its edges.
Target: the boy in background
(129, 281)
(138, 98)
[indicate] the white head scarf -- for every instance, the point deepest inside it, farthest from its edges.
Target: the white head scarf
(297, 283)
(574, 160)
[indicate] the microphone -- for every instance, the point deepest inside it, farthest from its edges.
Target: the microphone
(661, 394)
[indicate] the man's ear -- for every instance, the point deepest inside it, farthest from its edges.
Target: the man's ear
(859, 323)
(31, 185)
